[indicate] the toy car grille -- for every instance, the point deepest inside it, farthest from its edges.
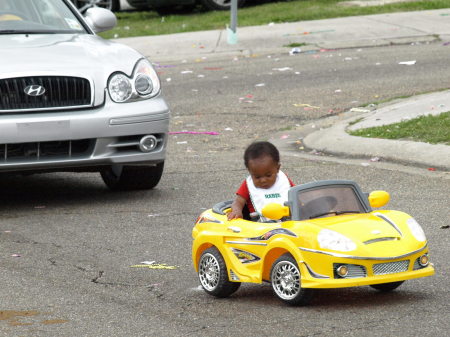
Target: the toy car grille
(58, 91)
(10, 153)
(417, 264)
(390, 267)
(354, 271)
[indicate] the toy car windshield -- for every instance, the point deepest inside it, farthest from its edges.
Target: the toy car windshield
(319, 200)
(328, 201)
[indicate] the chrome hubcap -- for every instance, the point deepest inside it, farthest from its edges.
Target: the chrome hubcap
(286, 280)
(223, 2)
(209, 272)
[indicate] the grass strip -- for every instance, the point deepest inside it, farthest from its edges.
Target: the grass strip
(428, 129)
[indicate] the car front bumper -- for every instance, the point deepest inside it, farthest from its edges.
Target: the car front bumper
(362, 272)
(104, 135)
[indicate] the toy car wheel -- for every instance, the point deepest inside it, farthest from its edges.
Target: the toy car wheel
(286, 281)
(385, 287)
(213, 276)
(120, 178)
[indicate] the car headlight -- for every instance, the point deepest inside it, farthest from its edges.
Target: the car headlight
(144, 83)
(416, 229)
(120, 88)
(329, 239)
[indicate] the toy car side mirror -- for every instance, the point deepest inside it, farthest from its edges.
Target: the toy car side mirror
(378, 198)
(275, 211)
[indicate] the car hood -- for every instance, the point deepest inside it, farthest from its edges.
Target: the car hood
(361, 227)
(81, 55)
(381, 234)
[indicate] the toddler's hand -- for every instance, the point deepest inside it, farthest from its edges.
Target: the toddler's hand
(234, 215)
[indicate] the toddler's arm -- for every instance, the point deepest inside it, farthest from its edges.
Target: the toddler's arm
(236, 208)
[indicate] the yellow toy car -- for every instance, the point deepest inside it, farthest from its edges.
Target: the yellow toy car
(326, 236)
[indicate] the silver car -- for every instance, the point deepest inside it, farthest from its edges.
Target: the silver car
(71, 101)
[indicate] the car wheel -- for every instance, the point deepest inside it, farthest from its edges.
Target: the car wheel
(83, 5)
(286, 281)
(386, 287)
(119, 178)
(213, 275)
(220, 4)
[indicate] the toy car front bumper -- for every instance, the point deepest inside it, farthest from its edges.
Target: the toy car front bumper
(361, 272)
(311, 282)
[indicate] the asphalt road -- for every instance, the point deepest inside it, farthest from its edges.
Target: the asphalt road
(69, 247)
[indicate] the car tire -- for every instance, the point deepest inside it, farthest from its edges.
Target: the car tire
(220, 4)
(386, 287)
(121, 178)
(115, 5)
(175, 10)
(213, 275)
(286, 282)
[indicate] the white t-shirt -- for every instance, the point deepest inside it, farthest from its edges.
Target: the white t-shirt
(277, 193)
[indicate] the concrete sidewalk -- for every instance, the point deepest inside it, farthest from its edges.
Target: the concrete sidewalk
(349, 32)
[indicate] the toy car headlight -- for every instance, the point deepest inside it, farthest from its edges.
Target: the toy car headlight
(329, 239)
(416, 229)
(144, 83)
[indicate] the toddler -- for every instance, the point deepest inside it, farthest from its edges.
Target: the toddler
(265, 184)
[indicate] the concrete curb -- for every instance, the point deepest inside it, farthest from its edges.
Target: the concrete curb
(335, 140)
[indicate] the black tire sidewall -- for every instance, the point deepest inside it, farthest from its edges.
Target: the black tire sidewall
(115, 6)
(133, 177)
(387, 287)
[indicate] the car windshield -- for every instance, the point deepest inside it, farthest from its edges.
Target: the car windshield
(38, 17)
(328, 201)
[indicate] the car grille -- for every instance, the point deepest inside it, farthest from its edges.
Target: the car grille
(417, 264)
(44, 150)
(390, 267)
(354, 271)
(60, 91)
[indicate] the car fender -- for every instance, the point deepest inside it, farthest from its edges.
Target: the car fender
(200, 244)
(277, 247)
